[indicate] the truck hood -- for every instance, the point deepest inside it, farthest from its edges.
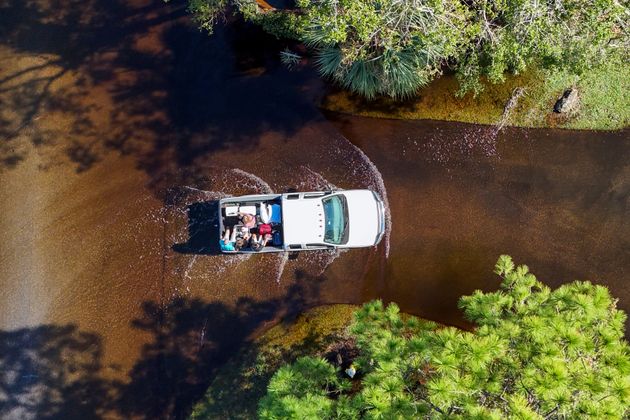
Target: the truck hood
(364, 217)
(303, 220)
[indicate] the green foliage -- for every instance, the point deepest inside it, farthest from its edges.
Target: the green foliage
(384, 47)
(289, 58)
(301, 390)
(281, 24)
(238, 385)
(536, 353)
(510, 36)
(206, 13)
(604, 102)
(395, 47)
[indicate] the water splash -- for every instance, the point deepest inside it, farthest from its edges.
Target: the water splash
(282, 259)
(186, 277)
(315, 180)
(252, 180)
(189, 267)
(376, 183)
(212, 195)
(322, 259)
(445, 147)
(236, 181)
(476, 140)
(188, 187)
(218, 269)
(187, 271)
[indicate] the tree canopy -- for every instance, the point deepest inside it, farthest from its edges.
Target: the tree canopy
(394, 47)
(510, 36)
(384, 47)
(535, 353)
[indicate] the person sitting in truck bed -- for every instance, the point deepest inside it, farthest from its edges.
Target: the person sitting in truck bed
(258, 242)
(227, 242)
(230, 242)
(248, 220)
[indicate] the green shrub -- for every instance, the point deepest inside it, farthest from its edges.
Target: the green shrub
(535, 353)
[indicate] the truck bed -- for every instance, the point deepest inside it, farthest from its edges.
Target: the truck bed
(229, 217)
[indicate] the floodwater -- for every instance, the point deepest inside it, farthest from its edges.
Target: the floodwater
(460, 195)
(121, 125)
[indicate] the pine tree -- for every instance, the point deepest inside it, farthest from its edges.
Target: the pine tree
(535, 353)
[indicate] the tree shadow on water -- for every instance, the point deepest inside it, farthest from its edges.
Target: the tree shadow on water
(142, 80)
(52, 40)
(53, 371)
(191, 340)
(57, 372)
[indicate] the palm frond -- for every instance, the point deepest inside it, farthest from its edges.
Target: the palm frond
(328, 61)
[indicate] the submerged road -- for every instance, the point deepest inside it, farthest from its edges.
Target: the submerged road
(120, 128)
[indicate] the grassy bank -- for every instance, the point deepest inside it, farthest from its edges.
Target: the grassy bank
(237, 386)
(604, 101)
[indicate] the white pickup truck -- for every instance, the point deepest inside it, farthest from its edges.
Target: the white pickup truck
(308, 220)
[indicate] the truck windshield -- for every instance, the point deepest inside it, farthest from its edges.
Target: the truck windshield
(336, 219)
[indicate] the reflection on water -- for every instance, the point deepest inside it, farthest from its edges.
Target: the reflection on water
(121, 124)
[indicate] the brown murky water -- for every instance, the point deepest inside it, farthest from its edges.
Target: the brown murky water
(120, 125)
(460, 195)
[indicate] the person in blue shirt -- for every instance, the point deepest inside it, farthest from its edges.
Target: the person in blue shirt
(231, 242)
(228, 241)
